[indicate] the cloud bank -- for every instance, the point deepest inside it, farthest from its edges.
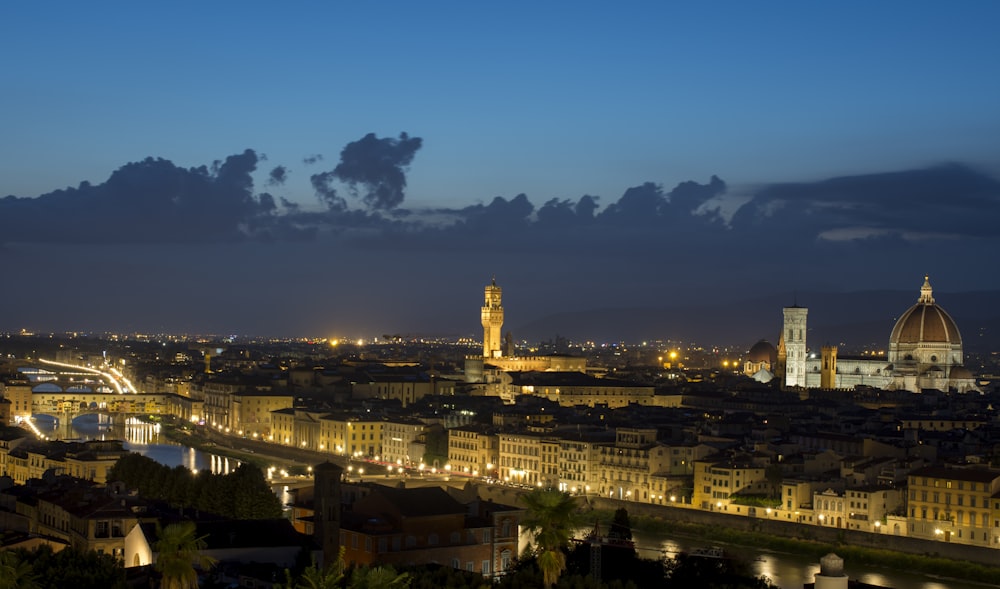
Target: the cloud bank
(372, 259)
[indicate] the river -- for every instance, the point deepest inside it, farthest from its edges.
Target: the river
(791, 571)
(787, 571)
(140, 437)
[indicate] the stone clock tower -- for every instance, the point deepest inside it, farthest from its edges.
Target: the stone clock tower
(492, 316)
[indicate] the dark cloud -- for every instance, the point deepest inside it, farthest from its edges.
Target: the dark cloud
(375, 168)
(312, 159)
(323, 184)
(278, 176)
(149, 201)
(936, 201)
(649, 247)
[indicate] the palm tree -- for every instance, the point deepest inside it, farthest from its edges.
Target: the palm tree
(551, 517)
(179, 556)
(314, 577)
(380, 577)
(15, 573)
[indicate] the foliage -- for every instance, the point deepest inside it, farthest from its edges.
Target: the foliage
(444, 577)
(379, 577)
(241, 494)
(621, 526)
(74, 568)
(755, 500)
(314, 577)
(723, 573)
(179, 555)
(436, 446)
(551, 518)
(15, 573)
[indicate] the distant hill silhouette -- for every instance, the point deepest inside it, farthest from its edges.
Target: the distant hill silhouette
(850, 320)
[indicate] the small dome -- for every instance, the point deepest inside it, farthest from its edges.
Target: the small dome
(762, 351)
(960, 373)
(925, 322)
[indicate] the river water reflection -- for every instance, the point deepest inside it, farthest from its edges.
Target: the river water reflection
(787, 571)
(140, 437)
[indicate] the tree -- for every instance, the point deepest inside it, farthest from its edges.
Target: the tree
(72, 567)
(179, 555)
(550, 517)
(621, 527)
(15, 573)
(775, 476)
(380, 577)
(314, 577)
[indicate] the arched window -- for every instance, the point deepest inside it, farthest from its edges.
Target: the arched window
(504, 560)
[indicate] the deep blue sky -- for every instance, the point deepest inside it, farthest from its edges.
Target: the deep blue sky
(553, 99)
(860, 140)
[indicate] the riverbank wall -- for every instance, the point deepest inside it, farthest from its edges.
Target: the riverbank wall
(785, 529)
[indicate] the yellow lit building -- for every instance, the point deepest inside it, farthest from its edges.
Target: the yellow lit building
(716, 481)
(90, 460)
(953, 504)
(473, 449)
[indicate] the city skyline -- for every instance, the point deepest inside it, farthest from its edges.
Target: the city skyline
(363, 170)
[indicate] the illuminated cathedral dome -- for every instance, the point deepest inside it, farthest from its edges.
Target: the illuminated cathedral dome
(925, 347)
(925, 322)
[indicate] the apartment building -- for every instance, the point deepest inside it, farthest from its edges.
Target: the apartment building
(474, 449)
(954, 504)
(626, 466)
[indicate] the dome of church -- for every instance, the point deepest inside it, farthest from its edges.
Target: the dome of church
(925, 322)
(762, 351)
(960, 372)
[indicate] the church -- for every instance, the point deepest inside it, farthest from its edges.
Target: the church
(925, 352)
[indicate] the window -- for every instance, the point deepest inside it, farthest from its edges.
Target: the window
(456, 564)
(486, 567)
(486, 536)
(433, 540)
(504, 560)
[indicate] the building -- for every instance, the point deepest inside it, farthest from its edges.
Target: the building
(626, 467)
(575, 388)
(424, 525)
(474, 449)
(953, 505)
(499, 353)
(492, 318)
(26, 459)
(79, 513)
(716, 481)
(793, 341)
(925, 352)
(398, 435)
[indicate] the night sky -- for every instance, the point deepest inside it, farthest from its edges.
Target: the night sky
(355, 169)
